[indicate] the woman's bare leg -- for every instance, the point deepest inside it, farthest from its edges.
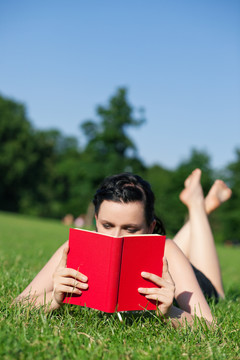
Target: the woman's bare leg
(202, 251)
(218, 194)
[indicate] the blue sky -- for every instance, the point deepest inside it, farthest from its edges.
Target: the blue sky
(179, 60)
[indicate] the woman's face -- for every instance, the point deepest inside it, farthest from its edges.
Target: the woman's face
(118, 219)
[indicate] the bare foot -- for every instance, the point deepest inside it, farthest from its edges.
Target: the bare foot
(218, 194)
(192, 194)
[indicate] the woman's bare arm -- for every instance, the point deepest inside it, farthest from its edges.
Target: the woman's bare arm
(178, 280)
(188, 293)
(52, 283)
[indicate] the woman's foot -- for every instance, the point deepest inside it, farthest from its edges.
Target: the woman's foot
(192, 194)
(218, 194)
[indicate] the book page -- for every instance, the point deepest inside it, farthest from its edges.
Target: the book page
(140, 253)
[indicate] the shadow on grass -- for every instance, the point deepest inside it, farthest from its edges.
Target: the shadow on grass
(129, 318)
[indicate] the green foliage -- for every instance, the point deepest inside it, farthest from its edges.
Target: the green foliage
(167, 185)
(161, 180)
(79, 333)
(109, 147)
(47, 174)
(27, 163)
(228, 216)
(109, 135)
(16, 152)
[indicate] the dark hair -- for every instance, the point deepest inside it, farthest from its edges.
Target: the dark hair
(127, 187)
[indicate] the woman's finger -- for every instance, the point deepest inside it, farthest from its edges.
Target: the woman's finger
(66, 289)
(74, 283)
(162, 290)
(156, 279)
(166, 278)
(161, 283)
(158, 297)
(68, 272)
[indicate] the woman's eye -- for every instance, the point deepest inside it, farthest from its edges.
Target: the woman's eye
(131, 231)
(106, 226)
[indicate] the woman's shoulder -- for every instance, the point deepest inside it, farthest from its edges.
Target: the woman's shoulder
(169, 243)
(171, 249)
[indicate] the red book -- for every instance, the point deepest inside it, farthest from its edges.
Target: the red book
(113, 266)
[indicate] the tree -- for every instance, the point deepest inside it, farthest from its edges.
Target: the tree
(30, 182)
(165, 200)
(47, 191)
(109, 149)
(228, 216)
(16, 144)
(197, 159)
(45, 173)
(168, 184)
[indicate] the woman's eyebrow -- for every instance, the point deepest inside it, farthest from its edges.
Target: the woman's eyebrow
(131, 225)
(107, 222)
(103, 221)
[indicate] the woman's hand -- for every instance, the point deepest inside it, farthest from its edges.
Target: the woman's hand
(164, 293)
(66, 280)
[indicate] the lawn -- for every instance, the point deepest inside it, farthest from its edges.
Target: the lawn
(78, 333)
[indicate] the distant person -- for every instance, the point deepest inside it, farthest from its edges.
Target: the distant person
(68, 220)
(124, 204)
(79, 221)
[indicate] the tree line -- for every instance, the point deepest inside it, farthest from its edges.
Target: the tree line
(45, 173)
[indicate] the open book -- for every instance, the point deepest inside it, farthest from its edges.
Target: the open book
(113, 266)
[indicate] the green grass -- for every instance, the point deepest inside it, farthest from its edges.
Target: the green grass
(78, 333)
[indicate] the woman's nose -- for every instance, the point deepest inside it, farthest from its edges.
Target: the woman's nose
(116, 232)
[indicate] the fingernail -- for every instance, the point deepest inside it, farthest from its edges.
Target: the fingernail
(143, 273)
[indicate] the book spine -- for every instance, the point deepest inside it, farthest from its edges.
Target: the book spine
(114, 274)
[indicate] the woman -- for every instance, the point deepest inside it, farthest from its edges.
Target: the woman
(124, 204)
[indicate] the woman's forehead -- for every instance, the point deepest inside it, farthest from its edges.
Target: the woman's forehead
(133, 211)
